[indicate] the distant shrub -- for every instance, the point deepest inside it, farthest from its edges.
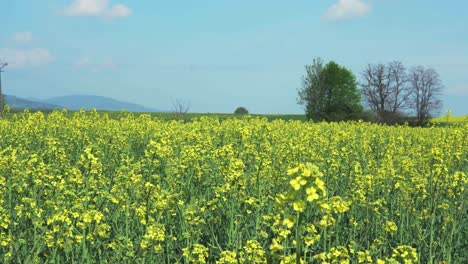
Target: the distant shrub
(387, 117)
(241, 111)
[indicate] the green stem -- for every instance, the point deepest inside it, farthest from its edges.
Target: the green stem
(298, 238)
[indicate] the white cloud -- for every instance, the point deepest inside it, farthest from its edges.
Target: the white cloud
(119, 10)
(19, 58)
(22, 37)
(101, 8)
(346, 9)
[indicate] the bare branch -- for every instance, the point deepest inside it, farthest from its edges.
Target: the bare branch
(180, 108)
(426, 88)
(2, 65)
(385, 88)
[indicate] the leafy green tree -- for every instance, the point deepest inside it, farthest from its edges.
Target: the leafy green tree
(241, 111)
(329, 92)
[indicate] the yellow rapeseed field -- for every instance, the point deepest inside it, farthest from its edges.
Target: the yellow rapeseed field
(94, 189)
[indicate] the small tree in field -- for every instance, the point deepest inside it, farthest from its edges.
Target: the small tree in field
(180, 108)
(329, 92)
(241, 111)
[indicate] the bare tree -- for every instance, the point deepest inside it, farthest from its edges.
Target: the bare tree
(376, 88)
(399, 87)
(426, 88)
(2, 98)
(180, 108)
(385, 89)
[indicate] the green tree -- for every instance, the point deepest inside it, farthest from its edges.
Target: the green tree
(329, 92)
(241, 111)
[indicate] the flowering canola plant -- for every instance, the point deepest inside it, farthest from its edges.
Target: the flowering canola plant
(83, 187)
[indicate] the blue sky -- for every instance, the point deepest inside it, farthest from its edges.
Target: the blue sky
(218, 55)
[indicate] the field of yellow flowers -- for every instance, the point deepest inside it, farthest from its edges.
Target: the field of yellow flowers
(87, 188)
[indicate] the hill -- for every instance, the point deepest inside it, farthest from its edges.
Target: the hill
(76, 102)
(20, 103)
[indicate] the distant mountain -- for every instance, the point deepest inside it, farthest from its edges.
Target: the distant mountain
(76, 102)
(20, 103)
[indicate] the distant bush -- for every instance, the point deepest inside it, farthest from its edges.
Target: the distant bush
(387, 117)
(241, 111)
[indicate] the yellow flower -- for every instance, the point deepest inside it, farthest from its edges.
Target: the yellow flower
(321, 256)
(98, 217)
(87, 217)
(324, 205)
(103, 229)
(298, 182)
(390, 227)
(364, 257)
(293, 171)
(320, 185)
(311, 194)
(289, 221)
(227, 257)
(275, 245)
(299, 206)
(306, 172)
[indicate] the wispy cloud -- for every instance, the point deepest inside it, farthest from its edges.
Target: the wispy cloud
(83, 62)
(20, 58)
(22, 37)
(99, 8)
(87, 63)
(346, 9)
(460, 89)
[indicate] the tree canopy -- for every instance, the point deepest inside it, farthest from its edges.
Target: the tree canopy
(329, 92)
(241, 111)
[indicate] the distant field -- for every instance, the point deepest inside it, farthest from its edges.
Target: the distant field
(270, 117)
(222, 116)
(452, 119)
(188, 116)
